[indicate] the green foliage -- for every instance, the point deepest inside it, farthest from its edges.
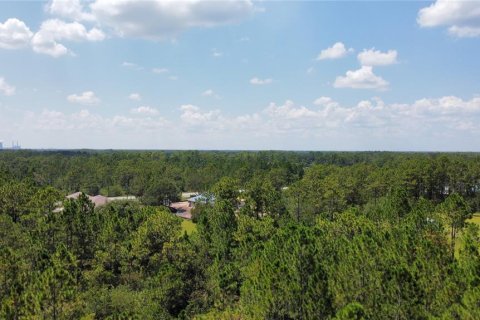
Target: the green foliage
(226, 190)
(160, 192)
(149, 239)
(262, 199)
(352, 311)
(288, 235)
(454, 211)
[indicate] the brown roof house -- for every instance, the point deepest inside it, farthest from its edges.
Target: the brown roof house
(98, 200)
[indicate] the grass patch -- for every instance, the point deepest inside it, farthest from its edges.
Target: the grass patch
(474, 219)
(188, 226)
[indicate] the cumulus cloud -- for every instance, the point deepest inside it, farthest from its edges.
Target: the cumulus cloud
(71, 9)
(258, 81)
(363, 78)
(153, 20)
(51, 31)
(325, 102)
(288, 111)
(374, 57)
(5, 88)
(192, 114)
(336, 51)
(52, 120)
(87, 98)
(374, 123)
(444, 113)
(135, 96)
(449, 112)
(464, 32)
(145, 110)
(159, 19)
(462, 17)
(14, 34)
(86, 121)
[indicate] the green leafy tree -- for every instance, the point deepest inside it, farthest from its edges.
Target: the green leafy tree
(161, 192)
(454, 211)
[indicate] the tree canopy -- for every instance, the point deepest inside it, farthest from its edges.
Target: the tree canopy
(286, 235)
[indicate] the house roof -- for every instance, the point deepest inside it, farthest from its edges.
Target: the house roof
(202, 198)
(75, 195)
(98, 200)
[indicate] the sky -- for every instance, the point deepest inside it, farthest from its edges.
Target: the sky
(241, 75)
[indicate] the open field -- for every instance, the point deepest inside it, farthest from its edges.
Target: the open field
(475, 219)
(188, 226)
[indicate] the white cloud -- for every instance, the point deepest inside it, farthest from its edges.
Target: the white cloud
(374, 57)
(445, 113)
(87, 98)
(336, 51)
(194, 118)
(444, 123)
(159, 70)
(51, 120)
(14, 34)
(447, 12)
(51, 31)
(210, 93)
(363, 78)
(135, 96)
(85, 121)
(462, 17)
(159, 19)
(154, 20)
(173, 78)
(288, 111)
(464, 32)
(139, 124)
(71, 9)
(145, 110)
(258, 81)
(444, 106)
(438, 114)
(5, 88)
(325, 102)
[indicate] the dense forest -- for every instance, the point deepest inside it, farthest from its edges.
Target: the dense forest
(289, 235)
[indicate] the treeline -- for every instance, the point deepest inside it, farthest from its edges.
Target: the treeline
(298, 236)
(164, 174)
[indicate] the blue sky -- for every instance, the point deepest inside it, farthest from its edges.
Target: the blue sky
(241, 75)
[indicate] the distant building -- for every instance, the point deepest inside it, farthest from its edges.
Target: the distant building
(201, 198)
(15, 146)
(100, 200)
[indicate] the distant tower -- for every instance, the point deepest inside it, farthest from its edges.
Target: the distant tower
(1, 145)
(15, 146)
